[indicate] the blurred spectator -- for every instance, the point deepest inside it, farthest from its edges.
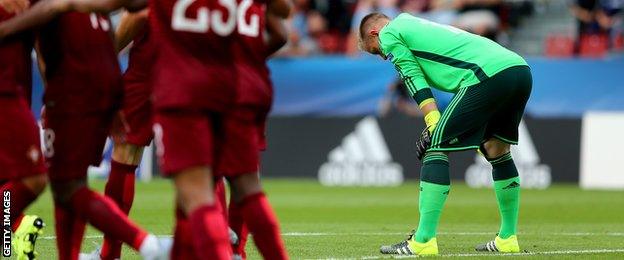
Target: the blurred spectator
(596, 16)
(338, 14)
(309, 30)
(476, 16)
(414, 6)
(398, 100)
(480, 17)
(301, 42)
(331, 26)
(364, 7)
(595, 23)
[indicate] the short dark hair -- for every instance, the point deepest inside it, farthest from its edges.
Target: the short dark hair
(368, 19)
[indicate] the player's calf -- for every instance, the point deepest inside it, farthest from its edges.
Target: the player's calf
(120, 188)
(195, 196)
(244, 185)
(507, 189)
(434, 189)
(75, 203)
(63, 191)
(194, 188)
(258, 215)
(494, 148)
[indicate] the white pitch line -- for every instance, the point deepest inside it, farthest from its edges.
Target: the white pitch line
(561, 252)
(91, 237)
(304, 234)
(312, 234)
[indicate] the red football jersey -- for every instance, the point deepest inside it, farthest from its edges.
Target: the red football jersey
(254, 85)
(141, 58)
(82, 72)
(194, 66)
(15, 62)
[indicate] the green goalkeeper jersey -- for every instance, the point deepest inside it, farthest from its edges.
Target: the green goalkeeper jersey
(429, 54)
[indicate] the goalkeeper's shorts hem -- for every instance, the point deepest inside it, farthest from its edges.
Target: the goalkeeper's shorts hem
(505, 140)
(453, 149)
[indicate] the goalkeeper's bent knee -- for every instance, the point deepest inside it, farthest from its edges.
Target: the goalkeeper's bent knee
(503, 167)
(435, 169)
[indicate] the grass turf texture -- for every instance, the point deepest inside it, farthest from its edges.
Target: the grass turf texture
(320, 222)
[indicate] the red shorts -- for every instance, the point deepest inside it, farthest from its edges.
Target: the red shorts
(186, 139)
(190, 139)
(242, 142)
(136, 114)
(20, 148)
(73, 142)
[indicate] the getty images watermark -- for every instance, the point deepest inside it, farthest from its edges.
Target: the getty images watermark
(6, 223)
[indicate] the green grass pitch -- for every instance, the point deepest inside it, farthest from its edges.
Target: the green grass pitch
(339, 223)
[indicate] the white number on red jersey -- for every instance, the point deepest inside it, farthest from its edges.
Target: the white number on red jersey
(251, 29)
(180, 22)
(206, 19)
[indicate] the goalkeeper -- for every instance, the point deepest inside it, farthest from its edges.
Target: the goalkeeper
(491, 86)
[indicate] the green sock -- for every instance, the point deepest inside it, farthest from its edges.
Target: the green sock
(507, 189)
(434, 188)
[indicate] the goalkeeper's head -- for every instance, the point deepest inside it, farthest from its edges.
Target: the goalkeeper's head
(369, 32)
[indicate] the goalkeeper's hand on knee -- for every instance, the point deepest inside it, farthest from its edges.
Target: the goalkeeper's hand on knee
(423, 143)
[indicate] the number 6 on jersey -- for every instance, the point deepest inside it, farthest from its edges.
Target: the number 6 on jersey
(207, 19)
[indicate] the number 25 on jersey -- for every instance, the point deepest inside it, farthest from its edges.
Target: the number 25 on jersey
(214, 19)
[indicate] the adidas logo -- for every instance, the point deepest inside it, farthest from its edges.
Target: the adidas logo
(512, 185)
(362, 159)
(532, 173)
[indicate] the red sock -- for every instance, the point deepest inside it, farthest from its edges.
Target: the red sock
(263, 225)
(21, 197)
(236, 222)
(120, 188)
(209, 234)
(69, 231)
(120, 185)
(103, 214)
(220, 195)
(182, 246)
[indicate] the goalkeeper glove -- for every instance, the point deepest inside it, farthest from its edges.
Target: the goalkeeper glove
(431, 120)
(423, 143)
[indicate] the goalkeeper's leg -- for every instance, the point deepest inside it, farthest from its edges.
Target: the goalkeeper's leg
(434, 189)
(507, 189)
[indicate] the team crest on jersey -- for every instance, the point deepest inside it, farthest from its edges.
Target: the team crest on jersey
(33, 154)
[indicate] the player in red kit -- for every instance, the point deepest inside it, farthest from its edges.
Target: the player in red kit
(22, 170)
(135, 117)
(194, 84)
(244, 126)
(83, 91)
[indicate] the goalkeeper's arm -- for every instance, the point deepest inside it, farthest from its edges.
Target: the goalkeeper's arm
(413, 77)
(428, 106)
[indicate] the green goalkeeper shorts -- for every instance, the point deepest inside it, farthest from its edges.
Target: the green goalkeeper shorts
(490, 109)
